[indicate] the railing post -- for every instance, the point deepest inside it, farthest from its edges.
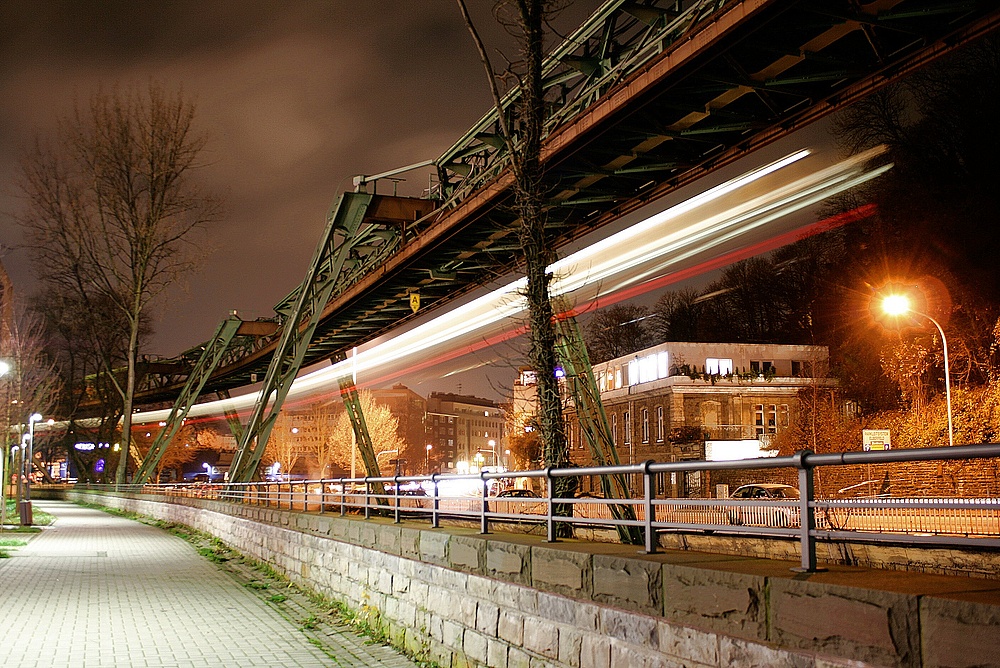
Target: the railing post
(550, 523)
(368, 506)
(807, 519)
(395, 492)
(435, 504)
(484, 523)
(652, 542)
(343, 497)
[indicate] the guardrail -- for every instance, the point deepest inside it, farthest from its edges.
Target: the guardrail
(486, 498)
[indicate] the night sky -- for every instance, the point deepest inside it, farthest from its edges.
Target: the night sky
(295, 98)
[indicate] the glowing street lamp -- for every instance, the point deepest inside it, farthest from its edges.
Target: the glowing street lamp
(897, 305)
(427, 458)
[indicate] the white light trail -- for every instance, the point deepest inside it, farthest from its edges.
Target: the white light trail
(664, 242)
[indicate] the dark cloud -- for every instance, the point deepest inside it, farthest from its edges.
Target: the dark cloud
(295, 97)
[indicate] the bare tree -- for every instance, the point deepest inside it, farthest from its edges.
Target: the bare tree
(526, 22)
(616, 331)
(31, 383)
(111, 211)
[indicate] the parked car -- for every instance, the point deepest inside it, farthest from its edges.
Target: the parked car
(767, 512)
(517, 494)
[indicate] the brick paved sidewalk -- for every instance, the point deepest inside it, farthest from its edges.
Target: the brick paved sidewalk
(99, 590)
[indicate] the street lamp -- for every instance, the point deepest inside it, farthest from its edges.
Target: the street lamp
(27, 464)
(896, 305)
(493, 447)
(427, 458)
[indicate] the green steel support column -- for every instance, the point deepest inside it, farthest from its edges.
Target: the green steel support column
(352, 402)
(196, 380)
(594, 422)
(232, 417)
(348, 246)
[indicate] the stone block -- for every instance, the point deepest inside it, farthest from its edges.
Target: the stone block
(409, 542)
(876, 627)
(496, 653)
(541, 637)
(518, 658)
(628, 656)
(638, 630)
(508, 561)
(595, 651)
(452, 634)
(688, 645)
(466, 553)
(487, 618)
(738, 653)
(562, 571)
(386, 539)
(732, 603)
(633, 584)
(475, 646)
(434, 548)
(570, 644)
(961, 633)
(510, 627)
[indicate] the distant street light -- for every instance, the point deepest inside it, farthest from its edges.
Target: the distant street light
(897, 305)
(27, 463)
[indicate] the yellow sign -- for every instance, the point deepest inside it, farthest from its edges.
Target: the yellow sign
(875, 439)
(414, 301)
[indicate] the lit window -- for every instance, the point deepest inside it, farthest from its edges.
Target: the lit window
(718, 366)
(662, 365)
(618, 378)
(633, 372)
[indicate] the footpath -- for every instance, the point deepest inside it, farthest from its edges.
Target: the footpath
(96, 590)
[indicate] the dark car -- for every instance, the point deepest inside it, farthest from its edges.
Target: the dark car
(517, 494)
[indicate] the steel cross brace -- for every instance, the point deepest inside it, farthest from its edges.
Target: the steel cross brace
(594, 421)
(348, 249)
(196, 380)
(352, 402)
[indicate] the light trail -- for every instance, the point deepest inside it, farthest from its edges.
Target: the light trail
(670, 241)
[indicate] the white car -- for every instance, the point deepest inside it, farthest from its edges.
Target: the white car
(770, 511)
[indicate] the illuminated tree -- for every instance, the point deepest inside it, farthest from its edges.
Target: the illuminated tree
(382, 427)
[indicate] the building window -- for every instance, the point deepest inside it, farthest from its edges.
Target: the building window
(659, 424)
(796, 369)
(645, 425)
(767, 418)
(627, 423)
(718, 366)
(760, 368)
(614, 429)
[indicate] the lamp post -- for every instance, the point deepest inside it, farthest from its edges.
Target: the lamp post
(4, 368)
(427, 458)
(897, 305)
(27, 463)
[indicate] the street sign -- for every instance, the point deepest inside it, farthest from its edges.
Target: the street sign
(875, 439)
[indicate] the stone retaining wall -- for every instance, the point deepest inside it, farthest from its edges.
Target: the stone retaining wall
(464, 599)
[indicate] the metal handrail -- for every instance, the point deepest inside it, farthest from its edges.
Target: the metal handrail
(972, 522)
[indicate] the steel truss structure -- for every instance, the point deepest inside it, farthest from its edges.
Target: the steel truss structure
(645, 97)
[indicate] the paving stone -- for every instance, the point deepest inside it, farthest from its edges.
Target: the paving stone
(98, 590)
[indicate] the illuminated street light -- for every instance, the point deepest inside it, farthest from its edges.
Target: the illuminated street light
(27, 464)
(427, 458)
(897, 305)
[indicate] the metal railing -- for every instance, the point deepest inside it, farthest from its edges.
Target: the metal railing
(489, 498)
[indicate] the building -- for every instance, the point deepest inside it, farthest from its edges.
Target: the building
(465, 432)
(409, 409)
(689, 401)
